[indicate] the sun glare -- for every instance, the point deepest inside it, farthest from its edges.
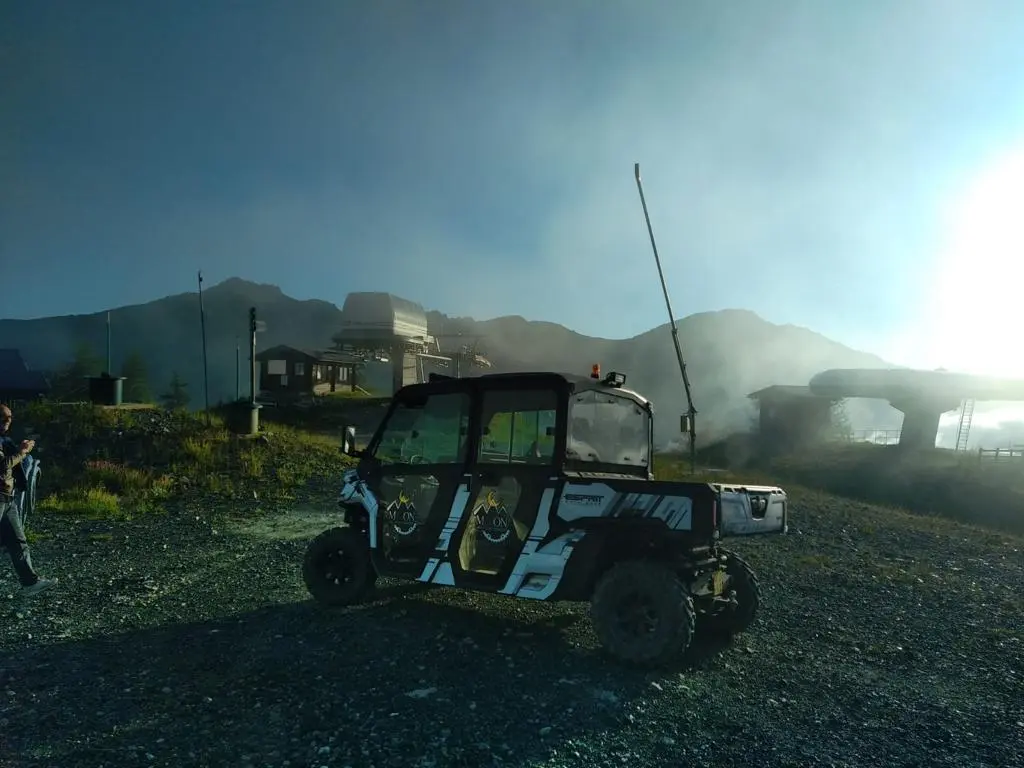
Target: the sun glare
(976, 301)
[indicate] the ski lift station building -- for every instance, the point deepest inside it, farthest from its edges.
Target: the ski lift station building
(388, 329)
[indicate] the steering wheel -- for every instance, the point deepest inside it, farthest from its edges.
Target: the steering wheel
(416, 459)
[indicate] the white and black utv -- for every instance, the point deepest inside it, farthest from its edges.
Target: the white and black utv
(540, 486)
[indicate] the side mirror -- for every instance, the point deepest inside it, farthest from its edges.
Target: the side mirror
(685, 425)
(348, 441)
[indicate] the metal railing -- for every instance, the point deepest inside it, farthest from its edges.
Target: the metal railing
(1010, 453)
(876, 436)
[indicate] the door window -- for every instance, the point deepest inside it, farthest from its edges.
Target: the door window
(428, 431)
(518, 427)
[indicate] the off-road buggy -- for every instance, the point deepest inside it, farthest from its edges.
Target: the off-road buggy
(541, 486)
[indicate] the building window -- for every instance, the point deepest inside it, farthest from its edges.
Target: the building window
(300, 369)
(277, 367)
(284, 379)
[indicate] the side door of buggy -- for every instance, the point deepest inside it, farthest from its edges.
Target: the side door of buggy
(513, 464)
(419, 465)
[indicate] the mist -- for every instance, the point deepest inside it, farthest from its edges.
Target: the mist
(796, 164)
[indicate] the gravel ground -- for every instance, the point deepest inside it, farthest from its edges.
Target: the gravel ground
(185, 641)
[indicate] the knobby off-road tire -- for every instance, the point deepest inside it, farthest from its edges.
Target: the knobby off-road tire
(742, 579)
(642, 613)
(337, 568)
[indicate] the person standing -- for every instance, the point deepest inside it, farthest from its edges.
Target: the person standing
(12, 532)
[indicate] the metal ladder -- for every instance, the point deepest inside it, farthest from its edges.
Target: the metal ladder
(964, 430)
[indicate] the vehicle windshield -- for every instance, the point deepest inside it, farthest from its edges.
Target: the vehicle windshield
(606, 428)
(429, 432)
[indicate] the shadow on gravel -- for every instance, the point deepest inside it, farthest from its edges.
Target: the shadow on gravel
(384, 683)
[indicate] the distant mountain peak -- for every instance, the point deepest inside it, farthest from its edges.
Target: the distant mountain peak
(240, 286)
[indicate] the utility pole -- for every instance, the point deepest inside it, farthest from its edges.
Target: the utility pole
(206, 378)
(238, 369)
(252, 355)
(109, 365)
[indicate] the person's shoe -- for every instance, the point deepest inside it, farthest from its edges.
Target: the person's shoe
(39, 586)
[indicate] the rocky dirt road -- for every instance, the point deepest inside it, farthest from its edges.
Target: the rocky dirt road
(885, 640)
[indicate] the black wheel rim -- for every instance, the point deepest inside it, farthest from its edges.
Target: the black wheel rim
(337, 568)
(636, 617)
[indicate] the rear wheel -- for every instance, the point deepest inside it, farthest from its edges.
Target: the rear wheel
(337, 568)
(745, 591)
(642, 613)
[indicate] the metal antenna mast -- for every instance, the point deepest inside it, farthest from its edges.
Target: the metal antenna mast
(206, 377)
(691, 413)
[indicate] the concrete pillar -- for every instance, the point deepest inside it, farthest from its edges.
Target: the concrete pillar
(410, 369)
(403, 369)
(921, 421)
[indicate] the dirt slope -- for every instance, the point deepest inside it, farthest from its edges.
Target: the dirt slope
(885, 640)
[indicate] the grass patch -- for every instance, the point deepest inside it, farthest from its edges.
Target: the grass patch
(109, 464)
(199, 452)
(90, 503)
(119, 479)
(674, 466)
(819, 561)
(903, 573)
(329, 413)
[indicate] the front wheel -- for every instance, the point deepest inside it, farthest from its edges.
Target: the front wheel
(337, 568)
(642, 613)
(745, 594)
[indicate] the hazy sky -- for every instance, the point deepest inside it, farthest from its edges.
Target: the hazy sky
(815, 162)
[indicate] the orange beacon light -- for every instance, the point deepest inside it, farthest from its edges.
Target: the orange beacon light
(595, 371)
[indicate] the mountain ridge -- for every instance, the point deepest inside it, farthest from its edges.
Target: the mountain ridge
(729, 352)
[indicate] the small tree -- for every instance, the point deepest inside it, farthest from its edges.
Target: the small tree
(136, 385)
(177, 394)
(70, 381)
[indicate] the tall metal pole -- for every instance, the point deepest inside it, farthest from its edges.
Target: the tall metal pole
(202, 323)
(238, 369)
(109, 365)
(691, 411)
(252, 356)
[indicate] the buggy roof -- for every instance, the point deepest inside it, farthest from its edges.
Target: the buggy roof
(561, 381)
